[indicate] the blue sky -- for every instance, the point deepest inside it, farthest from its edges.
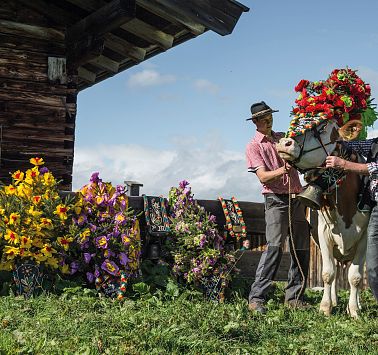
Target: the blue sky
(181, 115)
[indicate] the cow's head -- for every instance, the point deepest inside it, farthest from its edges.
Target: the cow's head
(310, 149)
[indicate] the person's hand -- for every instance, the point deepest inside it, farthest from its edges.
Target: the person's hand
(287, 167)
(335, 162)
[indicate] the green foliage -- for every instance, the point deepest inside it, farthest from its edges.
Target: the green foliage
(78, 322)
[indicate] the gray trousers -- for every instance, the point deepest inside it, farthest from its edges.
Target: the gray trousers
(277, 229)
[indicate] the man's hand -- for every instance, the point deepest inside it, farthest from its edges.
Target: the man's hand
(287, 167)
(335, 162)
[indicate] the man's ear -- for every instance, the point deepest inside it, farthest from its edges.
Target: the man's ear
(350, 130)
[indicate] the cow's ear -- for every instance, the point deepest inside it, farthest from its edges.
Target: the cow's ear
(350, 130)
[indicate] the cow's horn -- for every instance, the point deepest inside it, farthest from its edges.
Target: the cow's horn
(311, 197)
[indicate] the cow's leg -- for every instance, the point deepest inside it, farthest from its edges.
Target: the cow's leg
(334, 290)
(355, 273)
(328, 274)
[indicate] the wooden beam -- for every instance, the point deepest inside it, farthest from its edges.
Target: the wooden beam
(172, 15)
(219, 16)
(82, 52)
(104, 20)
(149, 33)
(86, 75)
(124, 48)
(105, 63)
(50, 11)
(21, 29)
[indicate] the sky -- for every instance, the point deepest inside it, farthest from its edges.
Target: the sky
(182, 114)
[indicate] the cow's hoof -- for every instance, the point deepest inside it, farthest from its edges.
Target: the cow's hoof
(325, 309)
(353, 312)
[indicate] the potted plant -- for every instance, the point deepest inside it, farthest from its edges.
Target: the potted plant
(198, 247)
(34, 223)
(107, 232)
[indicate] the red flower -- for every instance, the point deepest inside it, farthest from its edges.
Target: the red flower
(301, 85)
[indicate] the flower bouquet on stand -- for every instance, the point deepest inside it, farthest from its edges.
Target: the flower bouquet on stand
(34, 223)
(107, 232)
(198, 248)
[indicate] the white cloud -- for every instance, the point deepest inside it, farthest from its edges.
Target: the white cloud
(211, 170)
(149, 77)
(206, 86)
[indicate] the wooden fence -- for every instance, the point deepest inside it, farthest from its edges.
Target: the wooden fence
(254, 217)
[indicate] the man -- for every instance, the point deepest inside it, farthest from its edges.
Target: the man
(369, 149)
(276, 178)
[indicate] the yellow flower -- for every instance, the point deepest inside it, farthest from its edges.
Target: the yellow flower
(26, 242)
(61, 211)
(65, 242)
(14, 218)
(39, 258)
(12, 237)
(84, 235)
(18, 176)
(36, 199)
(46, 223)
(6, 266)
(65, 269)
(34, 213)
(52, 262)
(48, 250)
(48, 179)
(37, 161)
(24, 190)
(11, 252)
(120, 217)
(31, 175)
(37, 242)
(2, 211)
(10, 190)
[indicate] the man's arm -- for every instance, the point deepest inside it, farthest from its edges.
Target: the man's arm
(342, 164)
(267, 176)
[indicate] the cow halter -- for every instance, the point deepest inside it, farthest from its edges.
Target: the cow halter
(303, 151)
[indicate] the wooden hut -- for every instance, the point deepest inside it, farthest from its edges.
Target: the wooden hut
(50, 50)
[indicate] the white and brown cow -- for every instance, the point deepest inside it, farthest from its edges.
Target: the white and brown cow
(339, 227)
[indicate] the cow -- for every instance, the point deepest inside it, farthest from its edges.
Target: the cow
(339, 226)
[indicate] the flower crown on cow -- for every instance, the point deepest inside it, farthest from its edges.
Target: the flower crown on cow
(343, 97)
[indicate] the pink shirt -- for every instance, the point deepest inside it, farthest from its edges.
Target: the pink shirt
(261, 153)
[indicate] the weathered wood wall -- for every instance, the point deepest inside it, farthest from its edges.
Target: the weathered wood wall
(37, 113)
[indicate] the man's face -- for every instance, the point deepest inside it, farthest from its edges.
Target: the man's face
(264, 124)
(247, 244)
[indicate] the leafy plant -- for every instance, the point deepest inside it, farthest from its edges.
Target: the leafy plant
(34, 220)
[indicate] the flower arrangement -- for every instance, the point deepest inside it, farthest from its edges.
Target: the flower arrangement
(34, 220)
(199, 248)
(108, 235)
(343, 96)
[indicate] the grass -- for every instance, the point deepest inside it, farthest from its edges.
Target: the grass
(78, 322)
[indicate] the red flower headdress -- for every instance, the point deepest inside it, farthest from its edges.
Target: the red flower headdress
(343, 97)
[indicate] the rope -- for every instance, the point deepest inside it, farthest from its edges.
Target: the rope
(293, 246)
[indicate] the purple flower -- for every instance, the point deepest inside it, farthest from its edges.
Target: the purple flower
(43, 170)
(92, 227)
(212, 218)
(94, 177)
(74, 267)
(97, 272)
(110, 267)
(102, 242)
(123, 259)
(90, 277)
(87, 257)
(183, 184)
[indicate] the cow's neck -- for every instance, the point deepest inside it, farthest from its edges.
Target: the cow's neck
(347, 198)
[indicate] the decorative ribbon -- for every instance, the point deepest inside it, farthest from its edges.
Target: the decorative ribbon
(155, 215)
(234, 218)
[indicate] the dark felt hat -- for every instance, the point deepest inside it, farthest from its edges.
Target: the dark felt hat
(260, 109)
